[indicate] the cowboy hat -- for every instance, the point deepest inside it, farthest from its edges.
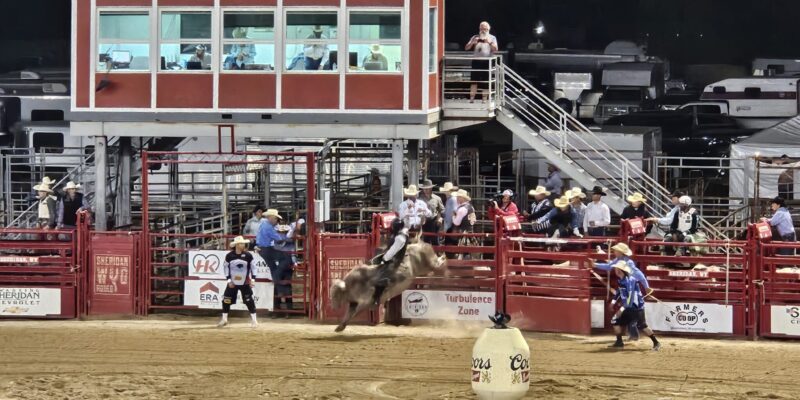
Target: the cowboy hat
(637, 197)
(622, 265)
(598, 190)
(462, 193)
(317, 28)
(272, 213)
(426, 184)
(375, 49)
(239, 240)
(448, 187)
(47, 181)
(411, 190)
(622, 248)
(562, 202)
(577, 192)
(539, 190)
(72, 185)
(43, 188)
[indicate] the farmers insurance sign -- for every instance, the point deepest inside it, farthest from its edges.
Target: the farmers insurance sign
(208, 264)
(436, 304)
(29, 301)
(690, 317)
(785, 320)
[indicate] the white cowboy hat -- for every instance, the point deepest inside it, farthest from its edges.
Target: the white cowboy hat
(72, 185)
(562, 202)
(622, 265)
(448, 187)
(622, 248)
(539, 190)
(43, 188)
(375, 49)
(577, 192)
(47, 181)
(411, 190)
(462, 193)
(637, 197)
(239, 240)
(272, 213)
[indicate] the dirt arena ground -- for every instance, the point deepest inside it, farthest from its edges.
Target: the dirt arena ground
(185, 358)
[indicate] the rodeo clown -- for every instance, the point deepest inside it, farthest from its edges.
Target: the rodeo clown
(241, 274)
(411, 214)
(631, 306)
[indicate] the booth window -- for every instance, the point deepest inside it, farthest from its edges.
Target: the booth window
(433, 36)
(375, 42)
(311, 41)
(185, 41)
(123, 41)
(248, 41)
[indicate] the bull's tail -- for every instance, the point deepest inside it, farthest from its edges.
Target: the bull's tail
(338, 293)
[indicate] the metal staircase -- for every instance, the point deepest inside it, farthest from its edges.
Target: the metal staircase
(574, 149)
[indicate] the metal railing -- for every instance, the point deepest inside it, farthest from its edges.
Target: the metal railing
(462, 72)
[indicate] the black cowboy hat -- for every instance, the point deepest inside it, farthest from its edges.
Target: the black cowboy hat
(779, 201)
(598, 190)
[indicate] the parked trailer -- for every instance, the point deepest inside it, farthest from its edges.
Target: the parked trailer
(756, 103)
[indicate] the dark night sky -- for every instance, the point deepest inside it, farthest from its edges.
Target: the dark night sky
(734, 31)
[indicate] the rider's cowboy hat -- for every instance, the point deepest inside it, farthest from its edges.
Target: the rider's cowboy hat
(539, 190)
(598, 190)
(272, 213)
(462, 193)
(426, 184)
(562, 202)
(577, 192)
(622, 265)
(448, 187)
(72, 185)
(637, 197)
(411, 190)
(43, 187)
(239, 240)
(622, 248)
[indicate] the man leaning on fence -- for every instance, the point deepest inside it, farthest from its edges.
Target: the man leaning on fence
(782, 222)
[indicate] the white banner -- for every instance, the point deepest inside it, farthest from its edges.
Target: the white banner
(30, 301)
(690, 317)
(205, 293)
(209, 264)
(439, 304)
(785, 320)
(598, 313)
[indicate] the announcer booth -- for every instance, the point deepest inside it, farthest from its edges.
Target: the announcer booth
(279, 68)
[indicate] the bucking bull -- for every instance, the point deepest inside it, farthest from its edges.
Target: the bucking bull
(357, 289)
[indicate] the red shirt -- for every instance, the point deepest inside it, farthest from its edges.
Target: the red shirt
(510, 209)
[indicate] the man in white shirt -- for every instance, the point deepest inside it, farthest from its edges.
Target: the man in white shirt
(413, 211)
(598, 215)
(316, 54)
(666, 221)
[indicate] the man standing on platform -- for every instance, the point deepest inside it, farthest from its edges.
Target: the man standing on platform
(436, 207)
(598, 215)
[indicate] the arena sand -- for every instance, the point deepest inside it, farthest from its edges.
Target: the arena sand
(188, 358)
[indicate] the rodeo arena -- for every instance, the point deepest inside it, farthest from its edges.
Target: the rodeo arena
(210, 203)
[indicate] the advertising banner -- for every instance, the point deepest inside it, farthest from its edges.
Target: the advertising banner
(18, 301)
(448, 305)
(785, 320)
(205, 293)
(690, 317)
(208, 264)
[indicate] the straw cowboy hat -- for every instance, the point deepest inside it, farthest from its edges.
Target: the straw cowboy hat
(375, 49)
(411, 190)
(47, 181)
(462, 193)
(448, 187)
(72, 185)
(622, 248)
(637, 197)
(239, 240)
(43, 187)
(426, 184)
(622, 265)
(317, 28)
(598, 190)
(577, 192)
(272, 213)
(539, 190)
(562, 202)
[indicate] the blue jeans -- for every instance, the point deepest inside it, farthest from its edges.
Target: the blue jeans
(312, 64)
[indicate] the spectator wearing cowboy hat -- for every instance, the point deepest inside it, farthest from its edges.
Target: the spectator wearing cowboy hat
(540, 205)
(463, 218)
(782, 222)
(413, 211)
(578, 208)
(375, 60)
(631, 306)
(316, 54)
(46, 205)
(558, 220)
(553, 182)
(69, 206)
(436, 207)
(507, 207)
(598, 215)
(684, 226)
(636, 209)
(451, 203)
(241, 275)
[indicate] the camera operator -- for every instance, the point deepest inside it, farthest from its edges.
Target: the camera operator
(506, 206)
(482, 45)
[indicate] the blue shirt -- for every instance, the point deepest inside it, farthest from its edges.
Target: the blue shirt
(449, 210)
(573, 223)
(553, 183)
(782, 221)
(629, 295)
(636, 273)
(667, 220)
(267, 236)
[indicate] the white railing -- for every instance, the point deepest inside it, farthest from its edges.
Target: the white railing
(462, 72)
